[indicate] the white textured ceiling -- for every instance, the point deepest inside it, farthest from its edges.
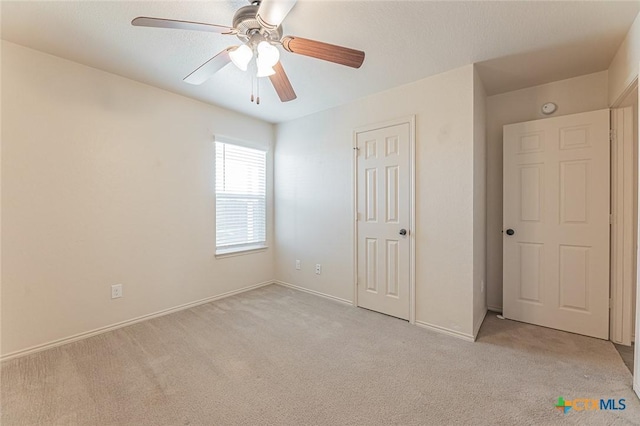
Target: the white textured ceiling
(517, 44)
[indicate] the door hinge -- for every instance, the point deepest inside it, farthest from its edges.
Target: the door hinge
(610, 219)
(356, 150)
(610, 303)
(612, 135)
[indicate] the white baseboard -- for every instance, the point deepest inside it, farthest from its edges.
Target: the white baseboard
(497, 309)
(476, 329)
(436, 328)
(447, 331)
(314, 292)
(91, 333)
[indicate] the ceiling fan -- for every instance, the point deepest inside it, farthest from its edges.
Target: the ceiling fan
(259, 28)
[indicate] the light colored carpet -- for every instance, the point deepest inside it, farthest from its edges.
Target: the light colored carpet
(626, 353)
(279, 356)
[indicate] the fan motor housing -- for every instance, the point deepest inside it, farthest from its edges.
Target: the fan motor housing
(246, 23)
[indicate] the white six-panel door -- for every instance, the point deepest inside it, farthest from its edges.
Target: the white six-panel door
(556, 202)
(383, 203)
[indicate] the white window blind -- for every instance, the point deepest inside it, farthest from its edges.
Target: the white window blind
(240, 198)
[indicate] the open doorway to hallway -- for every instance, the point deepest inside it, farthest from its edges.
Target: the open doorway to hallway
(624, 230)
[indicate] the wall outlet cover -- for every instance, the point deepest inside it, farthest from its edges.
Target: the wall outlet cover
(116, 291)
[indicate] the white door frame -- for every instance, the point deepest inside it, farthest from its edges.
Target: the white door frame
(622, 241)
(411, 120)
(636, 371)
(634, 85)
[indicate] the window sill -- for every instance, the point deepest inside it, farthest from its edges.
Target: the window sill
(220, 254)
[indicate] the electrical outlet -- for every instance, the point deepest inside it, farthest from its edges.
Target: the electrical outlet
(318, 269)
(116, 291)
(482, 286)
(297, 264)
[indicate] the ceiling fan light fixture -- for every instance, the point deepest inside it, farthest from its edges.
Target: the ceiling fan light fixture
(259, 27)
(241, 56)
(268, 54)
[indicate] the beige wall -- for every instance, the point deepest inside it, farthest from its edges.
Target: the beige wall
(314, 195)
(104, 181)
(479, 202)
(574, 95)
(624, 67)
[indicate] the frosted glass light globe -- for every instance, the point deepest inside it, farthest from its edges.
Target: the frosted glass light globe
(269, 55)
(264, 70)
(241, 56)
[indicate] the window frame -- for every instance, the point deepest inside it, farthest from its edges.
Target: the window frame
(248, 248)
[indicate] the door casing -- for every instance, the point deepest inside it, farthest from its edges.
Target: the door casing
(411, 120)
(623, 241)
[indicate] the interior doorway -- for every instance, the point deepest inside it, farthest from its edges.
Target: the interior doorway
(624, 164)
(556, 223)
(384, 242)
(627, 135)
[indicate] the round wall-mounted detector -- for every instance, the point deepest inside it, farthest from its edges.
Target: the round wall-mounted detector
(549, 108)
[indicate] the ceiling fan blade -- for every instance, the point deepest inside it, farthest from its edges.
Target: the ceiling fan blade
(143, 21)
(325, 51)
(205, 71)
(272, 12)
(282, 84)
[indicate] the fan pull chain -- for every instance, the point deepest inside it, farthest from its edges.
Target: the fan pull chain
(258, 90)
(251, 88)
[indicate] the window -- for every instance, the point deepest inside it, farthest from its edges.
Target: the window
(241, 202)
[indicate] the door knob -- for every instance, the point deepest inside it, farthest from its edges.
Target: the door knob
(403, 232)
(510, 231)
